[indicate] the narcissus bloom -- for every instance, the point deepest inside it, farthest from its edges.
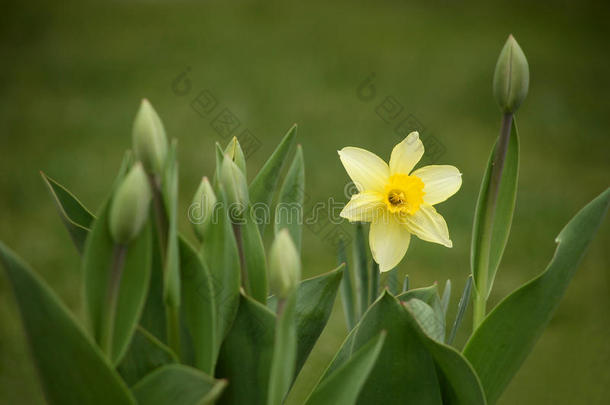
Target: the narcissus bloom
(397, 201)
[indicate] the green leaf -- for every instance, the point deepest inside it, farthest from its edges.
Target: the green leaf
(222, 258)
(256, 264)
(486, 258)
(262, 188)
(219, 157)
(507, 335)
(405, 370)
(347, 288)
(427, 319)
(361, 268)
(171, 272)
(72, 369)
(145, 354)
(428, 295)
(446, 297)
(344, 384)
(374, 287)
(177, 384)
(98, 257)
(153, 315)
(315, 299)
(76, 218)
(462, 305)
(289, 208)
(283, 361)
(459, 383)
(245, 355)
(198, 307)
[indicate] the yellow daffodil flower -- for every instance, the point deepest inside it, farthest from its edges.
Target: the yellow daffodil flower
(397, 201)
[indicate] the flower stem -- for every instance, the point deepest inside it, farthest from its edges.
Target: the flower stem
(112, 297)
(242, 258)
(497, 167)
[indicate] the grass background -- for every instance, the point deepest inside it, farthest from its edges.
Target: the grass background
(72, 75)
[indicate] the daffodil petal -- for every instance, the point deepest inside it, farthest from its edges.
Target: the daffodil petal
(365, 206)
(428, 225)
(389, 241)
(406, 154)
(440, 182)
(367, 170)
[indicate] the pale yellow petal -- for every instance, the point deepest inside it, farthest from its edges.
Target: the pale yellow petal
(440, 182)
(406, 154)
(368, 171)
(389, 241)
(365, 207)
(429, 225)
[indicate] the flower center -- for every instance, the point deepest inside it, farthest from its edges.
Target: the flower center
(404, 194)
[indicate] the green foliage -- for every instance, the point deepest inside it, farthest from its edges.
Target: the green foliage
(177, 384)
(350, 375)
(502, 342)
(109, 268)
(76, 218)
(263, 186)
(145, 354)
(490, 234)
(246, 353)
(73, 371)
(289, 210)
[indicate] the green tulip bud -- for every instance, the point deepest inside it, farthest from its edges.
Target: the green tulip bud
(234, 184)
(284, 265)
(129, 209)
(149, 139)
(512, 77)
(236, 154)
(202, 208)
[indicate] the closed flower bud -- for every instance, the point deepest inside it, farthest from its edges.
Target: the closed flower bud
(129, 209)
(236, 154)
(149, 139)
(202, 208)
(284, 265)
(512, 77)
(234, 184)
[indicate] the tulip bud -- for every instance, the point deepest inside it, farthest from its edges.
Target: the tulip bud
(234, 184)
(236, 154)
(129, 209)
(512, 77)
(202, 208)
(149, 139)
(284, 265)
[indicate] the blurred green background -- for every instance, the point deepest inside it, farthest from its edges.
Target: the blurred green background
(73, 73)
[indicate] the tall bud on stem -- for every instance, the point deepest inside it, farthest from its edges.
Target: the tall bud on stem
(284, 265)
(129, 209)
(202, 208)
(512, 77)
(149, 139)
(510, 87)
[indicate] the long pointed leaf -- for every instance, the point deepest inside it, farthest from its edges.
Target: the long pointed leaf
(198, 307)
(176, 384)
(289, 209)
(256, 263)
(72, 369)
(262, 188)
(347, 288)
(315, 299)
(485, 261)
(76, 218)
(344, 385)
(507, 335)
(245, 355)
(146, 353)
